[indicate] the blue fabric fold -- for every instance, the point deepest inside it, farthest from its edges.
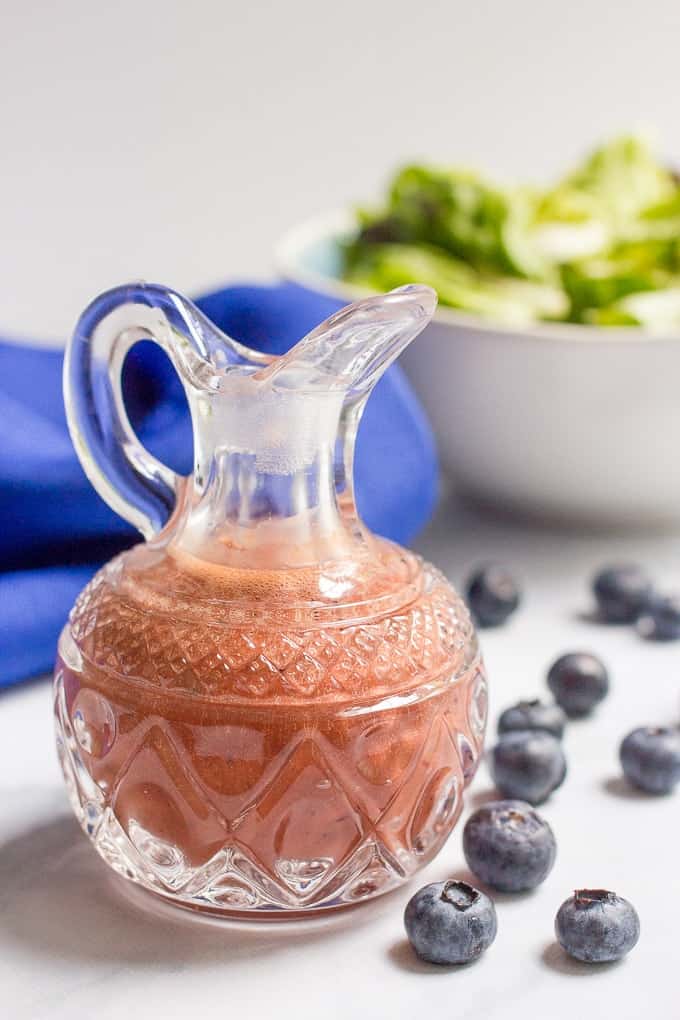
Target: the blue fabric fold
(56, 531)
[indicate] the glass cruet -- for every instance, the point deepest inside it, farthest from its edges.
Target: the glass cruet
(263, 708)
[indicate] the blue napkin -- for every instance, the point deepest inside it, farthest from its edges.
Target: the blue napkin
(55, 530)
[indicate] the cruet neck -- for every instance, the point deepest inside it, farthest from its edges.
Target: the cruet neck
(274, 443)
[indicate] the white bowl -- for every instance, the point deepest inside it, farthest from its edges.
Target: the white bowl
(570, 423)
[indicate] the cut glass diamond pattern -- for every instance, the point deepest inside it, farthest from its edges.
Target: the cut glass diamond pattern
(386, 836)
(201, 759)
(222, 661)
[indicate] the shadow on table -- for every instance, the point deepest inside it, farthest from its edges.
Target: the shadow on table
(618, 786)
(554, 957)
(404, 957)
(59, 899)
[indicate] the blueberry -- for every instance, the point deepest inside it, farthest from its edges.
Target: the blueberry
(492, 595)
(597, 926)
(533, 715)
(528, 765)
(651, 759)
(450, 922)
(622, 593)
(509, 846)
(578, 682)
(661, 618)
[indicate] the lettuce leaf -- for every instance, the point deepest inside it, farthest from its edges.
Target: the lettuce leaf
(501, 298)
(456, 210)
(610, 229)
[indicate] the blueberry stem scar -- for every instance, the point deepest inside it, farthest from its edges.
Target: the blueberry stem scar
(585, 897)
(459, 894)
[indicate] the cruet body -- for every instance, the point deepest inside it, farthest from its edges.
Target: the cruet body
(263, 709)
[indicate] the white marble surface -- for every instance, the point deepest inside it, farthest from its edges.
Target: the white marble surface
(74, 944)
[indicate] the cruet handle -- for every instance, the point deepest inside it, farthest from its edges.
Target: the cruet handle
(133, 482)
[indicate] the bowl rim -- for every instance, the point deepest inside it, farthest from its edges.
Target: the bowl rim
(333, 225)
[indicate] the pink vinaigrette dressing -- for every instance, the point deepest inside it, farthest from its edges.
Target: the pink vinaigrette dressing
(264, 709)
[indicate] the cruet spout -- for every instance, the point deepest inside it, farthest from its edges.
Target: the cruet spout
(351, 350)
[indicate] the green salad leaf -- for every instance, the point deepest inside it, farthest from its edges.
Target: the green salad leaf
(583, 251)
(624, 178)
(460, 213)
(504, 299)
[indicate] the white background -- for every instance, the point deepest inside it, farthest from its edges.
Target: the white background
(177, 141)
